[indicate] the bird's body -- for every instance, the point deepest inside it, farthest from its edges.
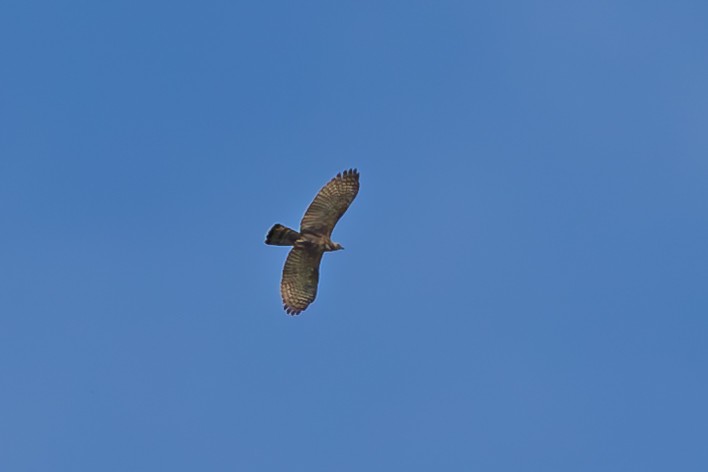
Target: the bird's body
(280, 235)
(301, 271)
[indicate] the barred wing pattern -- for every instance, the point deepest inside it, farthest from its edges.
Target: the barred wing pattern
(300, 276)
(330, 203)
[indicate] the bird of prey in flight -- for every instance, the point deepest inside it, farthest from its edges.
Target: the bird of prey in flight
(302, 267)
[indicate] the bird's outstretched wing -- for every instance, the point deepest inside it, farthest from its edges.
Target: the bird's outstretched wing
(330, 203)
(300, 276)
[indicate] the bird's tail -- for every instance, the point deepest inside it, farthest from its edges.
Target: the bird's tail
(280, 235)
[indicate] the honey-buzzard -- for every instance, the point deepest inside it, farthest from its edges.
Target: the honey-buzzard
(302, 267)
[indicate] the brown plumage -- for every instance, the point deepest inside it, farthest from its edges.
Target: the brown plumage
(301, 271)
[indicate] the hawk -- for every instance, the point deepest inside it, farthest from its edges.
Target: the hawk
(302, 267)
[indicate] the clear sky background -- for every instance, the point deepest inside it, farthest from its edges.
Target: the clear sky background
(524, 285)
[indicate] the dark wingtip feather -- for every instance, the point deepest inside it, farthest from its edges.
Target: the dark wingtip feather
(291, 311)
(348, 173)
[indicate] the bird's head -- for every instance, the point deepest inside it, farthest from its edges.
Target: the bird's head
(336, 247)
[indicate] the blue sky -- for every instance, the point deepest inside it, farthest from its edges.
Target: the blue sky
(524, 285)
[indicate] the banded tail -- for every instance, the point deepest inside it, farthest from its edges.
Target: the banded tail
(280, 235)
